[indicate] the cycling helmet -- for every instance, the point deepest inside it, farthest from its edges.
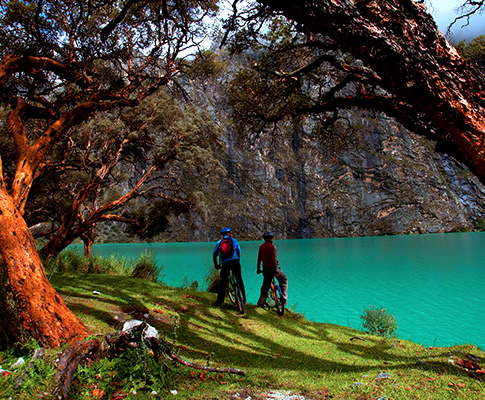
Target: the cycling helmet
(268, 235)
(225, 230)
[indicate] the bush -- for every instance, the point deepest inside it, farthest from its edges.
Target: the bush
(212, 280)
(135, 370)
(378, 321)
(70, 260)
(146, 268)
(193, 285)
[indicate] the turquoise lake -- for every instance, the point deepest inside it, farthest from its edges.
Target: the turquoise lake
(433, 284)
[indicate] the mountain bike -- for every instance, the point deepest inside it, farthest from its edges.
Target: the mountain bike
(234, 293)
(275, 297)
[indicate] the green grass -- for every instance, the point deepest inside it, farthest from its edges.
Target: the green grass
(286, 353)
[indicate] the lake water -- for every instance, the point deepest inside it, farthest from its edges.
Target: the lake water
(433, 284)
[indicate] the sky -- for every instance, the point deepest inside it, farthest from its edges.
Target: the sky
(445, 11)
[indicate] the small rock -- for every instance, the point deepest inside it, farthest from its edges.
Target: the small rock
(357, 384)
(96, 292)
(174, 392)
(18, 363)
(383, 375)
(148, 332)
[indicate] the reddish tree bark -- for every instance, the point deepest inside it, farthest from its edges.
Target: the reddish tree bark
(74, 68)
(39, 309)
(400, 42)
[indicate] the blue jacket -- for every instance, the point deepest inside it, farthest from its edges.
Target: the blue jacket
(235, 256)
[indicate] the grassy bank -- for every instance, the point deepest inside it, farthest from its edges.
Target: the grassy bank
(289, 353)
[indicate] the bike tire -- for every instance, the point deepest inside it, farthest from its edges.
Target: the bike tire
(280, 307)
(231, 293)
(279, 301)
(240, 300)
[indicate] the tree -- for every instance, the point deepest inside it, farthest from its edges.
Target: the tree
(399, 43)
(61, 62)
(475, 50)
(148, 170)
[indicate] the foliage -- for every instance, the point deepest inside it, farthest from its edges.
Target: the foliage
(193, 285)
(207, 64)
(480, 225)
(292, 77)
(134, 371)
(212, 280)
(36, 377)
(146, 268)
(378, 321)
(71, 260)
(474, 50)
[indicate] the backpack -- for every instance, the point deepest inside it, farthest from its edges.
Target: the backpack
(227, 248)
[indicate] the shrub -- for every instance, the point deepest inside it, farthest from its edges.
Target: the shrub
(146, 268)
(212, 280)
(193, 285)
(70, 260)
(134, 371)
(378, 321)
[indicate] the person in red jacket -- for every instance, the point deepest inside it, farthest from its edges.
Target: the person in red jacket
(267, 257)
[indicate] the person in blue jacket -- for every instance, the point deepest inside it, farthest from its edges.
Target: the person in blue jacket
(229, 252)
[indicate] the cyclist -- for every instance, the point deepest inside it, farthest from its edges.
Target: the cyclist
(229, 253)
(267, 257)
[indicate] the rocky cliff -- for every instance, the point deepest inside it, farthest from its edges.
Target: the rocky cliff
(370, 176)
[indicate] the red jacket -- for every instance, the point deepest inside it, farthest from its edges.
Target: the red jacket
(267, 256)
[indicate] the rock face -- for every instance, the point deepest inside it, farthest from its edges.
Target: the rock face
(371, 177)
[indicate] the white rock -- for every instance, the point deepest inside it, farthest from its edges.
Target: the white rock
(148, 332)
(18, 363)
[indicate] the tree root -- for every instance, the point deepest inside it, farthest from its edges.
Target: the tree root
(86, 351)
(81, 352)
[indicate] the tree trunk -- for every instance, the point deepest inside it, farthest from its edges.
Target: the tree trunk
(399, 40)
(88, 240)
(39, 309)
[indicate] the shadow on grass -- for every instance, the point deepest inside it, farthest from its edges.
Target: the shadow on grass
(225, 334)
(260, 340)
(116, 294)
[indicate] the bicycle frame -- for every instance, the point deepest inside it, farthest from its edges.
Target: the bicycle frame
(275, 297)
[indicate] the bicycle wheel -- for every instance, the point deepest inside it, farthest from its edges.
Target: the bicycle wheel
(231, 292)
(270, 300)
(239, 299)
(279, 301)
